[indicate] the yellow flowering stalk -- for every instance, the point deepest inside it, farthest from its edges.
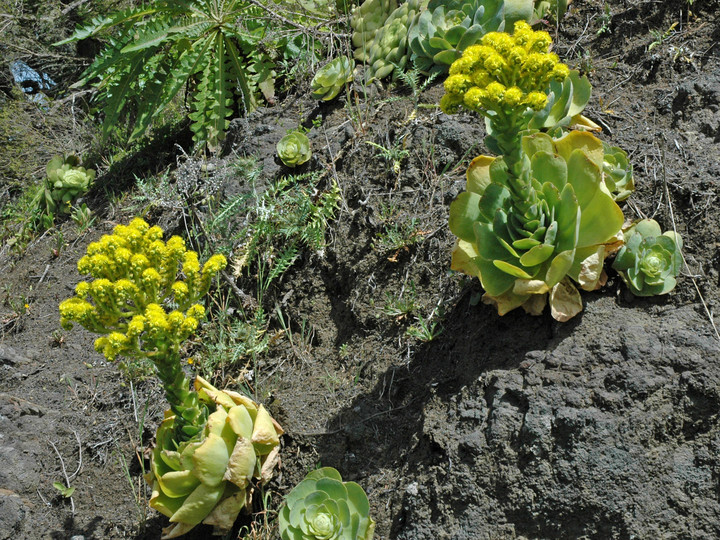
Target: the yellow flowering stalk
(213, 446)
(135, 281)
(506, 79)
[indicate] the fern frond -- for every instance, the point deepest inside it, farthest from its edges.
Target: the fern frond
(280, 266)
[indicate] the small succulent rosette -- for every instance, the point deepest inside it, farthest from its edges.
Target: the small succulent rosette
(323, 507)
(294, 149)
(650, 260)
(66, 181)
(331, 78)
(210, 478)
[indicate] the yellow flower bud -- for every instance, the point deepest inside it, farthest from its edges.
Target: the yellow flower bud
(450, 103)
(560, 72)
(153, 233)
(196, 311)
(151, 278)
(495, 64)
(503, 43)
(122, 256)
(156, 320)
(139, 225)
(84, 265)
(175, 323)
(176, 247)
(100, 344)
(181, 291)
(191, 266)
(101, 289)
(475, 99)
(189, 325)
(516, 56)
(463, 65)
(214, 264)
(513, 97)
(82, 289)
(138, 263)
(522, 33)
(457, 84)
(539, 42)
(495, 92)
(536, 100)
(136, 326)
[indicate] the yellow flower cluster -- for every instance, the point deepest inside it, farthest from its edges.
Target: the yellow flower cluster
(135, 276)
(504, 73)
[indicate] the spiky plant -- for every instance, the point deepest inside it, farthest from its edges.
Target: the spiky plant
(161, 46)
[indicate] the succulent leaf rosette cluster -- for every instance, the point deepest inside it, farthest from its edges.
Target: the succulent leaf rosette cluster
(389, 49)
(144, 299)
(365, 21)
(447, 28)
(323, 507)
(618, 172)
(650, 260)
(210, 478)
(66, 181)
(538, 221)
(331, 78)
(294, 149)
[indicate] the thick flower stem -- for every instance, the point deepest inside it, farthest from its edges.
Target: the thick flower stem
(190, 414)
(508, 131)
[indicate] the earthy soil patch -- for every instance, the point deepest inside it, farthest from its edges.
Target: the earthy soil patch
(500, 427)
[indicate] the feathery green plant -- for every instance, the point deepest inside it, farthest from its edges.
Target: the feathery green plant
(163, 45)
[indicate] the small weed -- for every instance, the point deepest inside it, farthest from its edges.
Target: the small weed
(138, 488)
(425, 329)
(60, 244)
(395, 155)
(264, 528)
(661, 37)
(605, 21)
(397, 237)
(83, 218)
(400, 307)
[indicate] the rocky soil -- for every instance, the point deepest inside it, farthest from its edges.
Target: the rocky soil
(500, 427)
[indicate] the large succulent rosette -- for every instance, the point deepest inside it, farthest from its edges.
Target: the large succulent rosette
(211, 477)
(526, 252)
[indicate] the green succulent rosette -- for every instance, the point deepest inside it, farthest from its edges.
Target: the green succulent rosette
(365, 21)
(447, 28)
(331, 78)
(618, 172)
(323, 507)
(389, 49)
(210, 478)
(65, 182)
(533, 252)
(650, 260)
(294, 149)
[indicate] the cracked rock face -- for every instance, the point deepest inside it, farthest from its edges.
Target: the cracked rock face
(602, 435)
